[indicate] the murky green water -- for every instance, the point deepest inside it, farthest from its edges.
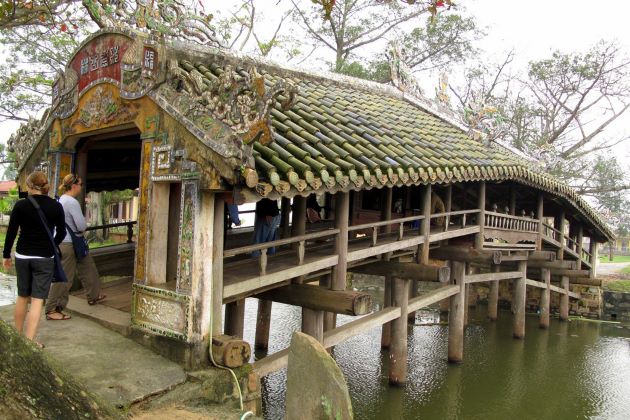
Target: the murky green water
(574, 370)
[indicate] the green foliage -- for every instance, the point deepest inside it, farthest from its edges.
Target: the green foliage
(621, 285)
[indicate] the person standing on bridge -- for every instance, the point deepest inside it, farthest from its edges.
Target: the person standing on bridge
(34, 263)
(74, 265)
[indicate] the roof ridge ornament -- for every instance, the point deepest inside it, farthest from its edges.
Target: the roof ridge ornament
(401, 73)
(238, 99)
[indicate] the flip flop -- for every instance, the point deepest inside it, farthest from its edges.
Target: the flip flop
(39, 345)
(64, 317)
(97, 300)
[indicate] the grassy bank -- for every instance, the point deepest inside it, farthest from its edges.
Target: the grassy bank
(616, 258)
(619, 286)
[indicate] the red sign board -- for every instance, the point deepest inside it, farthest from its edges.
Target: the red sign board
(100, 59)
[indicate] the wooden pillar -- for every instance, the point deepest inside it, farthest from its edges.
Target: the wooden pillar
(387, 210)
(456, 314)
(235, 318)
(560, 225)
(329, 317)
(481, 204)
(594, 251)
(342, 214)
(540, 217)
(448, 206)
(493, 296)
(426, 223)
(285, 216)
(298, 226)
(545, 298)
(579, 240)
(519, 300)
(513, 200)
(217, 263)
(398, 347)
(386, 330)
(313, 323)
(263, 324)
(564, 299)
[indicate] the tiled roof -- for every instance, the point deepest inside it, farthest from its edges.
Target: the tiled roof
(344, 135)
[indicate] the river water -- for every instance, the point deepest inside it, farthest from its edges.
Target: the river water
(573, 370)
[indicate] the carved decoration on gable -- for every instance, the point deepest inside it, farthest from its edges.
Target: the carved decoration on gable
(65, 95)
(24, 140)
(239, 100)
(171, 165)
(140, 68)
(103, 109)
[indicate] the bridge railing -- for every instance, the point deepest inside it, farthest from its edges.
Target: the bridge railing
(508, 222)
(108, 226)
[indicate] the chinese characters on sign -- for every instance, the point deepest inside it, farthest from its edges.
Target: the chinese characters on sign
(149, 62)
(100, 59)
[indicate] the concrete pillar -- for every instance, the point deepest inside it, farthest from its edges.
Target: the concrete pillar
(398, 347)
(545, 298)
(263, 324)
(519, 300)
(493, 297)
(564, 299)
(456, 314)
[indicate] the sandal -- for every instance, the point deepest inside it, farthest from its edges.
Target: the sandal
(63, 317)
(39, 345)
(97, 300)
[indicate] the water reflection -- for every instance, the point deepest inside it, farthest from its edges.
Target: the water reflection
(8, 290)
(572, 370)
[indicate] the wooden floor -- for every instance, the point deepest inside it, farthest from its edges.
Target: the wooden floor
(118, 294)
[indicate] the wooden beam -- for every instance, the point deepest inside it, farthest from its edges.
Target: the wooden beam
(564, 272)
(466, 254)
(559, 264)
(353, 328)
(432, 297)
(486, 277)
(586, 281)
(410, 270)
(319, 298)
(547, 256)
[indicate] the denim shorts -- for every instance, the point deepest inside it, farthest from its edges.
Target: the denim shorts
(34, 276)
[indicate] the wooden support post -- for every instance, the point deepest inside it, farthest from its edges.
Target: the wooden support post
(342, 216)
(481, 204)
(285, 217)
(449, 206)
(329, 317)
(299, 216)
(466, 306)
(313, 323)
(519, 301)
(540, 217)
(386, 329)
(426, 223)
(413, 292)
(594, 251)
(387, 211)
(493, 296)
(217, 263)
(513, 200)
(456, 314)
(398, 347)
(235, 318)
(560, 225)
(466, 254)
(263, 324)
(564, 299)
(545, 298)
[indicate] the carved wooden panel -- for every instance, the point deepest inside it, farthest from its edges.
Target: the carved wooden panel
(160, 311)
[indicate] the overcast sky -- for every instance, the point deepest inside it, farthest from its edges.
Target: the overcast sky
(533, 28)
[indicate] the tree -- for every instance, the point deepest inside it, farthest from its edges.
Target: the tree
(354, 24)
(558, 115)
